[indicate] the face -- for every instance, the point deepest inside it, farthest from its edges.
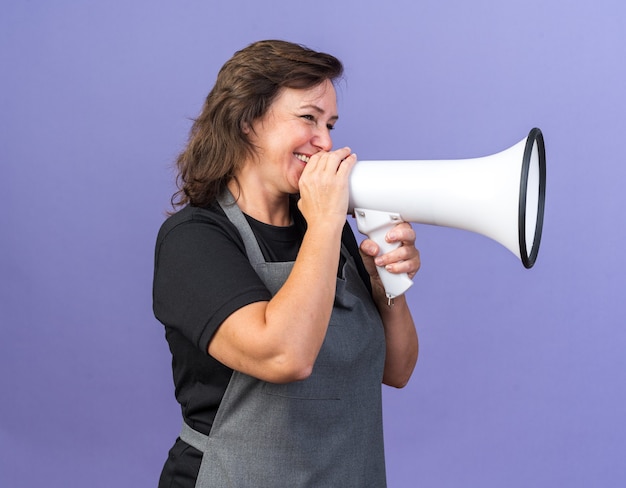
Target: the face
(296, 126)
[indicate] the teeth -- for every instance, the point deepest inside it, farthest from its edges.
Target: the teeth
(302, 158)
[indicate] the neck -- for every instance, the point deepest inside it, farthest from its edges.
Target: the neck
(260, 204)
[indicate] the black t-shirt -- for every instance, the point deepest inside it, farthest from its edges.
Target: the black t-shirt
(202, 275)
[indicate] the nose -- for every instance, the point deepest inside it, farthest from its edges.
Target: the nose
(322, 139)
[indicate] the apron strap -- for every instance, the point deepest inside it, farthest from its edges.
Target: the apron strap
(194, 438)
(235, 215)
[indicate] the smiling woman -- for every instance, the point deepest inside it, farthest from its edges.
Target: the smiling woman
(279, 328)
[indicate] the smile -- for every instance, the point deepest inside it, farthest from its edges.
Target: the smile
(302, 157)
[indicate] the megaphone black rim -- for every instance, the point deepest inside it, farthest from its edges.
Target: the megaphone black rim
(534, 137)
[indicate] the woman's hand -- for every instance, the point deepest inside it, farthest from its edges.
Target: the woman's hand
(404, 259)
(324, 186)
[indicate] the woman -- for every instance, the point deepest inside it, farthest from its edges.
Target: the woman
(280, 330)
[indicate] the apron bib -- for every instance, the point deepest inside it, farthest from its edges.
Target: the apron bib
(325, 431)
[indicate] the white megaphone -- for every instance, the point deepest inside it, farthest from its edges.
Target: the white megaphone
(501, 196)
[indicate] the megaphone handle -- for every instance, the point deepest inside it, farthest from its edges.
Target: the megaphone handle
(375, 224)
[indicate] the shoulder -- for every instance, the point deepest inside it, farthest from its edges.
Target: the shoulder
(194, 225)
(210, 216)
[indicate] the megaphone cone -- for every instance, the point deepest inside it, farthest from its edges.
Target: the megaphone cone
(501, 196)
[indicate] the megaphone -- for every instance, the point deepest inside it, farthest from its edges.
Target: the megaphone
(501, 196)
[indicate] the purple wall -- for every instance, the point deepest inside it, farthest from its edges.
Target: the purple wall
(521, 380)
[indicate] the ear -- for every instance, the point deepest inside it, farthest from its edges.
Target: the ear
(245, 128)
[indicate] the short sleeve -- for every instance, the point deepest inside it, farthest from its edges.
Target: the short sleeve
(201, 275)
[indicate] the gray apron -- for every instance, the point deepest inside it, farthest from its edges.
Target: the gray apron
(325, 431)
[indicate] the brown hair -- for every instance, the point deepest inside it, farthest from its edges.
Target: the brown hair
(245, 88)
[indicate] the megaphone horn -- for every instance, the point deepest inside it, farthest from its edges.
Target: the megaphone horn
(501, 196)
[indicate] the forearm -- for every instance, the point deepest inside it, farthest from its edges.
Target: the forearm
(401, 340)
(299, 313)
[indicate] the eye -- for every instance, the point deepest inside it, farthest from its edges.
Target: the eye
(312, 118)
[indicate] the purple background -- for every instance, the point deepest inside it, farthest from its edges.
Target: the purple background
(522, 376)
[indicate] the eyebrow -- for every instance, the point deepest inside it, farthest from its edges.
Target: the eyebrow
(319, 111)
